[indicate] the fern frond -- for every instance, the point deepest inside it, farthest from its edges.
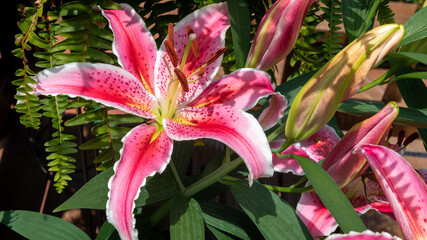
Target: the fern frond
(333, 15)
(28, 104)
(385, 14)
(306, 50)
(60, 146)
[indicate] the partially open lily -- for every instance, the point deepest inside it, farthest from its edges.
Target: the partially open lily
(345, 168)
(173, 87)
(405, 190)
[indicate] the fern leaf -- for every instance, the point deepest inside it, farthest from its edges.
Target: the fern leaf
(385, 14)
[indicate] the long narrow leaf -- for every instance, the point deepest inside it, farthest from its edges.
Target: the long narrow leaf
(37, 226)
(331, 195)
(274, 218)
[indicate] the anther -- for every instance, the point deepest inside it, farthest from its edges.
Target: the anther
(202, 71)
(182, 79)
(193, 38)
(170, 34)
(390, 132)
(216, 55)
(170, 50)
(410, 139)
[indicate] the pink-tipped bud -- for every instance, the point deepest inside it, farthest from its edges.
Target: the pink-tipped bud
(340, 78)
(277, 33)
(344, 166)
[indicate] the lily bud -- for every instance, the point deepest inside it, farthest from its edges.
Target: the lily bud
(339, 79)
(277, 33)
(344, 166)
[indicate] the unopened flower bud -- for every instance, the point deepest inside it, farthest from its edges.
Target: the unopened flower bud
(277, 33)
(339, 79)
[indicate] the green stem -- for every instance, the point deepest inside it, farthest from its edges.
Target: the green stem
(285, 145)
(277, 132)
(176, 175)
(303, 179)
(381, 80)
(212, 178)
(227, 155)
(288, 189)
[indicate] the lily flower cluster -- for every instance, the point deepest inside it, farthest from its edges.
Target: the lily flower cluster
(173, 87)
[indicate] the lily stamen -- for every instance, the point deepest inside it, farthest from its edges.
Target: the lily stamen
(170, 34)
(170, 50)
(193, 38)
(182, 79)
(215, 56)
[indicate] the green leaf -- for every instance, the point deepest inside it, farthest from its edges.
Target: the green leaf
(240, 29)
(37, 226)
(357, 17)
(274, 218)
(186, 219)
(107, 232)
(419, 57)
(331, 195)
(414, 92)
(181, 156)
(419, 75)
(415, 27)
(229, 220)
(407, 116)
(93, 194)
(220, 235)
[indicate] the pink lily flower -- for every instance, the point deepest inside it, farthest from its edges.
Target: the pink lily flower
(173, 87)
(405, 190)
(277, 33)
(345, 168)
(365, 235)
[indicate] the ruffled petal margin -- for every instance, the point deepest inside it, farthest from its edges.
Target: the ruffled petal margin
(140, 158)
(232, 126)
(103, 83)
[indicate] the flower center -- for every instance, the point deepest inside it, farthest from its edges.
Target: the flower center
(178, 79)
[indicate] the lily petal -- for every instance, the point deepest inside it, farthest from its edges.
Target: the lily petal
(315, 215)
(140, 158)
(315, 147)
(241, 89)
(232, 126)
(133, 44)
(210, 25)
(365, 235)
(106, 84)
(403, 187)
(271, 115)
